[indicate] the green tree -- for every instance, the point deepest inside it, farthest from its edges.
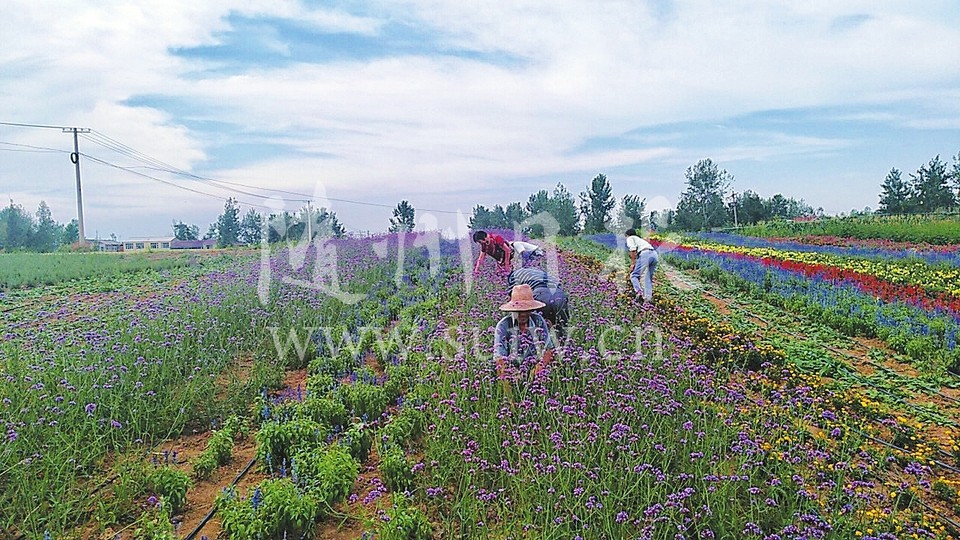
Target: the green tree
(701, 205)
(182, 231)
(750, 208)
(596, 204)
(251, 227)
(631, 213)
(564, 210)
(515, 214)
(481, 218)
(931, 187)
(46, 236)
(228, 225)
(894, 194)
(538, 203)
(404, 218)
(279, 226)
(16, 228)
(955, 174)
(71, 233)
(325, 223)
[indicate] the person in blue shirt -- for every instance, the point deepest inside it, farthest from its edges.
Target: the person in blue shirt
(523, 335)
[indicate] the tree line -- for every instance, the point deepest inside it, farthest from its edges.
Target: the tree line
(706, 202)
(20, 230)
(935, 187)
(232, 230)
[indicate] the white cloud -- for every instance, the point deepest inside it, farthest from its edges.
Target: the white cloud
(569, 72)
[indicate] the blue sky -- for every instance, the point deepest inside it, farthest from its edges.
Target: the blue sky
(451, 104)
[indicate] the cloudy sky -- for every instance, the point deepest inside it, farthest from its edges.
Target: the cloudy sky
(451, 104)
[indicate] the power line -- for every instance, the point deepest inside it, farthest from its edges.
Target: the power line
(156, 164)
(30, 148)
(43, 126)
(152, 163)
(154, 178)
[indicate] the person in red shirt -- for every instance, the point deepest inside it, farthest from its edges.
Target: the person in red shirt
(494, 245)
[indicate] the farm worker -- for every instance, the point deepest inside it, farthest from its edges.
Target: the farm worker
(495, 246)
(643, 262)
(525, 250)
(546, 289)
(522, 334)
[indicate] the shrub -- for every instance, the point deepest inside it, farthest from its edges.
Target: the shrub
(276, 441)
(396, 470)
(328, 476)
(171, 485)
(406, 522)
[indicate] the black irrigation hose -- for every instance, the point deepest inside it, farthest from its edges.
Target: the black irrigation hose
(213, 510)
(21, 306)
(937, 462)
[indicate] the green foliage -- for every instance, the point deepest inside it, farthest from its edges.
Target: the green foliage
(357, 440)
(327, 476)
(331, 412)
(320, 384)
(404, 217)
(931, 229)
(596, 204)
(251, 228)
(171, 485)
(397, 473)
(631, 215)
(407, 522)
(701, 204)
(552, 215)
(407, 425)
(20, 231)
(219, 448)
(228, 224)
(21, 270)
(365, 400)
(182, 231)
(276, 439)
(154, 524)
(127, 490)
(274, 509)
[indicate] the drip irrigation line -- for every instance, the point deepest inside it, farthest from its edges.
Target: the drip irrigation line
(21, 306)
(937, 462)
(213, 509)
(952, 523)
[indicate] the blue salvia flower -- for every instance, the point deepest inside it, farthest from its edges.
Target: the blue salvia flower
(256, 499)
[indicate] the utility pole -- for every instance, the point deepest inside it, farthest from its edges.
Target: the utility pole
(309, 222)
(75, 158)
(736, 223)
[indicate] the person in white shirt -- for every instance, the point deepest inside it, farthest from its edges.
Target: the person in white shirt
(643, 262)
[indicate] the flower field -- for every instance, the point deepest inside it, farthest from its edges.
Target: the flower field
(687, 420)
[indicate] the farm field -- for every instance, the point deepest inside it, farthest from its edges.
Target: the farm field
(778, 388)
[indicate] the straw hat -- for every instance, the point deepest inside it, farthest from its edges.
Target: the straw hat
(521, 299)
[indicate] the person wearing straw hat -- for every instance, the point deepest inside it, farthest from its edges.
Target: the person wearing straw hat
(546, 289)
(521, 335)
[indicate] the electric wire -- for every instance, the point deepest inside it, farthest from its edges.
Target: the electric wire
(167, 182)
